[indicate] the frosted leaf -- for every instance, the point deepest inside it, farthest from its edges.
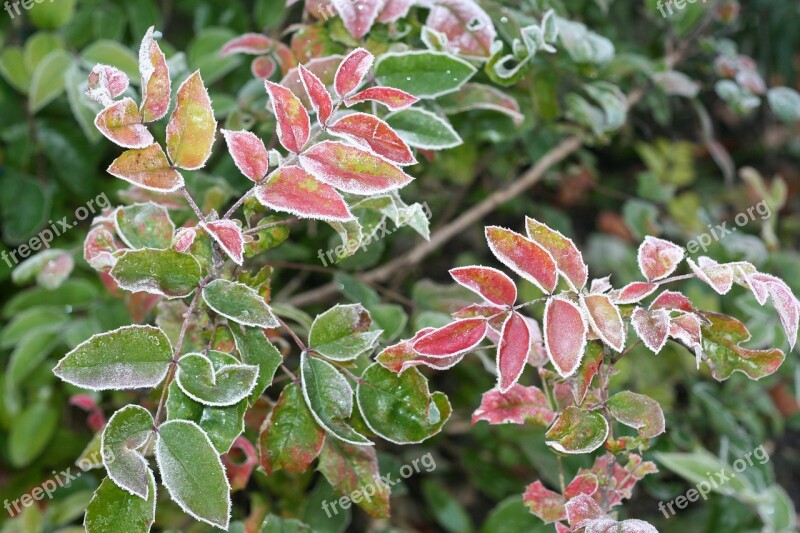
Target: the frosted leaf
(120, 123)
(156, 83)
(469, 29)
(249, 43)
(454, 339)
(517, 405)
(228, 235)
(221, 387)
(605, 320)
(248, 152)
(358, 15)
(563, 250)
(672, 300)
(164, 272)
(293, 190)
(652, 327)
(719, 277)
(192, 127)
(370, 132)
(126, 433)
(523, 256)
(633, 292)
(394, 99)
(294, 123)
(317, 94)
(147, 168)
(544, 503)
(106, 83)
(352, 71)
(658, 258)
(238, 302)
(488, 283)
(512, 351)
(565, 331)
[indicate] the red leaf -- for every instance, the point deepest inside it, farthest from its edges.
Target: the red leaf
(523, 256)
(358, 15)
(317, 94)
(517, 405)
(394, 99)
(720, 277)
(512, 351)
(785, 303)
(147, 168)
(605, 319)
(495, 315)
(468, 28)
(400, 357)
(323, 68)
(652, 327)
(156, 83)
(352, 169)
(658, 258)
(239, 471)
(353, 69)
(687, 329)
(249, 43)
(454, 339)
(633, 292)
(564, 334)
(600, 285)
(184, 238)
(583, 508)
(229, 236)
(293, 190)
(489, 283)
(99, 247)
(248, 152)
(263, 67)
(285, 57)
(120, 123)
(564, 252)
(371, 132)
(106, 83)
(672, 300)
(582, 484)
(544, 503)
(394, 10)
(293, 121)
(192, 127)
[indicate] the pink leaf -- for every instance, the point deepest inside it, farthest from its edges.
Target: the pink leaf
(652, 327)
(605, 319)
(394, 10)
(720, 277)
(249, 43)
(323, 68)
(99, 248)
(192, 128)
(489, 283)
(394, 99)
(512, 351)
(106, 83)
(436, 363)
(634, 292)
(293, 121)
(600, 285)
(352, 169)
(658, 258)
(454, 339)
(495, 315)
(354, 68)
(184, 238)
(240, 469)
(581, 509)
(120, 122)
(229, 236)
(248, 152)
(687, 329)
(263, 67)
(371, 132)
(544, 503)
(523, 256)
(400, 357)
(517, 405)
(156, 84)
(317, 94)
(147, 168)
(358, 15)
(672, 300)
(582, 484)
(293, 190)
(785, 303)
(468, 28)
(564, 252)
(564, 334)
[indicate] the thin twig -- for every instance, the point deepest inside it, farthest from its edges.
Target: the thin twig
(268, 225)
(193, 204)
(297, 340)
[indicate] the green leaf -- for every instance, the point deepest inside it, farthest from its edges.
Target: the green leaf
(330, 398)
(511, 516)
(51, 15)
(638, 411)
(39, 319)
(203, 54)
(165, 272)
(401, 409)
(276, 524)
(47, 81)
(219, 387)
(113, 509)
(126, 433)
(130, 357)
(391, 318)
(423, 74)
(14, 70)
(31, 431)
(39, 46)
(192, 472)
(694, 468)
(255, 349)
(342, 333)
(777, 510)
(240, 303)
(421, 128)
(25, 207)
(785, 103)
(144, 226)
(290, 439)
(29, 353)
(577, 431)
(113, 54)
(75, 293)
(445, 508)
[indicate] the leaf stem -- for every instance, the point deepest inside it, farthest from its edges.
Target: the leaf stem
(193, 204)
(294, 336)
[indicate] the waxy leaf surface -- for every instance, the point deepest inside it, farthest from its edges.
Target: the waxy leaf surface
(164, 272)
(238, 302)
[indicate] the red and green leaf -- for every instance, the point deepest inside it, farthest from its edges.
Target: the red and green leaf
(719, 277)
(192, 127)
(590, 365)
(673, 301)
(634, 292)
(351, 73)
(517, 405)
(564, 334)
(106, 83)
(373, 133)
(263, 67)
(147, 168)
(454, 339)
(358, 16)
(293, 190)
(489, 283)
(563, 251)
(605, 320)
(249, 43)
(350, 468)
(652, 327)
(544, 503)
(156, 84)
(294, 123)
(248, 152)
(468, 28)
(577, 431)
(512, 351)
(120, 123)
(525, 257)
(228, 235)
(394, 99)
(317, 94)
(184, 238)
(639, 412)
(658, 258)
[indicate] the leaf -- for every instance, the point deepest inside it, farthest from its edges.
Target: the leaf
(193, 473)
(120, 123)
(695, 466)
(785, 103)
(719, 277)
(477, 96)
(106, 83)
(544, 503)
(28, 354)
(577, 431)
(164, 272)
(605, 319)
(639, 412)
(400, 357)
(31, 430)
(218, 387)
(184, 239)
(787, 306)
(352, 169)
(13, 68)
(228, 235)
(424, 129)
(489, 283)
(373, 133)
(263, 67)
(147, 168)
(566, 255)
(317, 94)
(634, 292)
(658, 258)
(248, 152)
(358, 15)
(400, 408)
(192, 127)
(330, 398)
(564, 334)
(276, 524)
(143, 226)
(293, 190)
(350, 468)
(124, 437)
(423, 74)
(394, 99)
(111, 53)
(721, 344)
(240, 303)
(517, 405)
(652, 327)
(131, 357)
(351, 72)
(457, 338)
(294, 123)
(676, 83)
(255, 349)
(469, 30)
(512, 351)
(156, 84)
(248, 43)
(47, 80)
(49, 268)
(113, 509)
(525, 257)
(342, 333)
(290, 438)
(673, 301)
